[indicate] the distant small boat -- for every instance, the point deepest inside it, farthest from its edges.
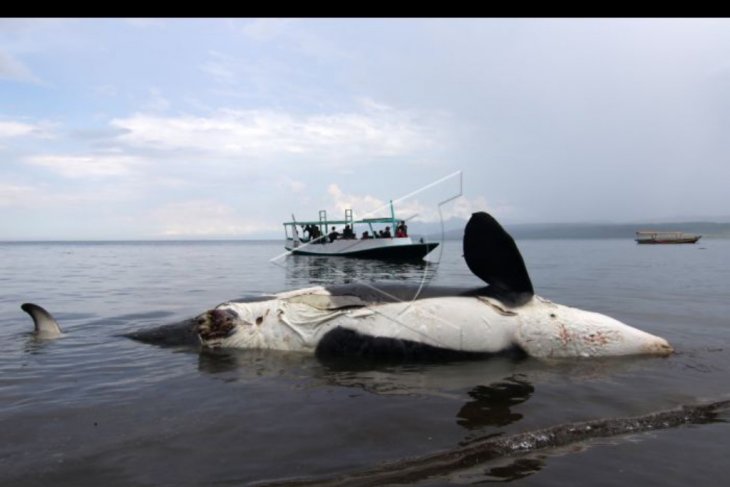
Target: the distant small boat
(368, 245)
(652, 237)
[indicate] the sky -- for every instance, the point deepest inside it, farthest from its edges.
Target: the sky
(224, 128)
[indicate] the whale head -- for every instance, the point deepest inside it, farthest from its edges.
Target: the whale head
(550, 330)
(237, 325)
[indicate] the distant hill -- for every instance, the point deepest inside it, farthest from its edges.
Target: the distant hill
(454, 231)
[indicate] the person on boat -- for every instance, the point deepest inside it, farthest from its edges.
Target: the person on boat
(348, 233)
(316, 234)
(386, 233)
(334, 235)
(401, 230)
(366, 235)
(306, 233)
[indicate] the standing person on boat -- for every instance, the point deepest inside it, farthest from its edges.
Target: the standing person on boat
(333, 235)
(401, 230)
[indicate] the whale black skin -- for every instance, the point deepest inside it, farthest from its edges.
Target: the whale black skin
(341, 343)
(492, 255)
(180, 334)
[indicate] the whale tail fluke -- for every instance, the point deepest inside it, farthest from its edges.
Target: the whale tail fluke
(492, 255)
(46, 326)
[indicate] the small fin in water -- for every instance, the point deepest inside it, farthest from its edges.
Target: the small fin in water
(46, 326)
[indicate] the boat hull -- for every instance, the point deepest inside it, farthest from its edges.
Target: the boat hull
(668, 241)
(664, 237)
(390, 249)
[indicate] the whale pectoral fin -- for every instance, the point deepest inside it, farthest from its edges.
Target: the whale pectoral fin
(361, 313)
(492, 255)
(326, 302)
(45, 325)
(496, 306)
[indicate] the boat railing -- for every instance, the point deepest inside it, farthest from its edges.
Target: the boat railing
(323, 223)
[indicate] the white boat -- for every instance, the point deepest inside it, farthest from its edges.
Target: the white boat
(362, 244)
(654, 237)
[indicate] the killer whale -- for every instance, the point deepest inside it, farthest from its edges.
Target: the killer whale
(393, 320)
(363, 319)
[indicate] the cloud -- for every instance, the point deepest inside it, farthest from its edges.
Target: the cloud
(87, 166)
(15, 129)
(101, 133)
(415, 209)
(375, 131)
(15, 194)
(205, 218)
(463, 207)
(363, 206)
(459, 208)
(42, 196)
(20, 130)
(12, 69)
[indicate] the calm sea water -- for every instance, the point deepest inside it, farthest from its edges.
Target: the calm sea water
(94, 408)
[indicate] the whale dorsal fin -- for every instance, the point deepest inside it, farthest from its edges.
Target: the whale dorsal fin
(492, 255)
(45, 325)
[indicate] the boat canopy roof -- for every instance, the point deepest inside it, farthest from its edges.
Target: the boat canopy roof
(349, 220)
(342, 222)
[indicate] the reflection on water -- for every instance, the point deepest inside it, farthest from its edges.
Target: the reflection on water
(233, 365)
(312, 270)
(488, 405)
(491, 404)
(518, 469)
(34, 345)
(381, 377)
(375, 377)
